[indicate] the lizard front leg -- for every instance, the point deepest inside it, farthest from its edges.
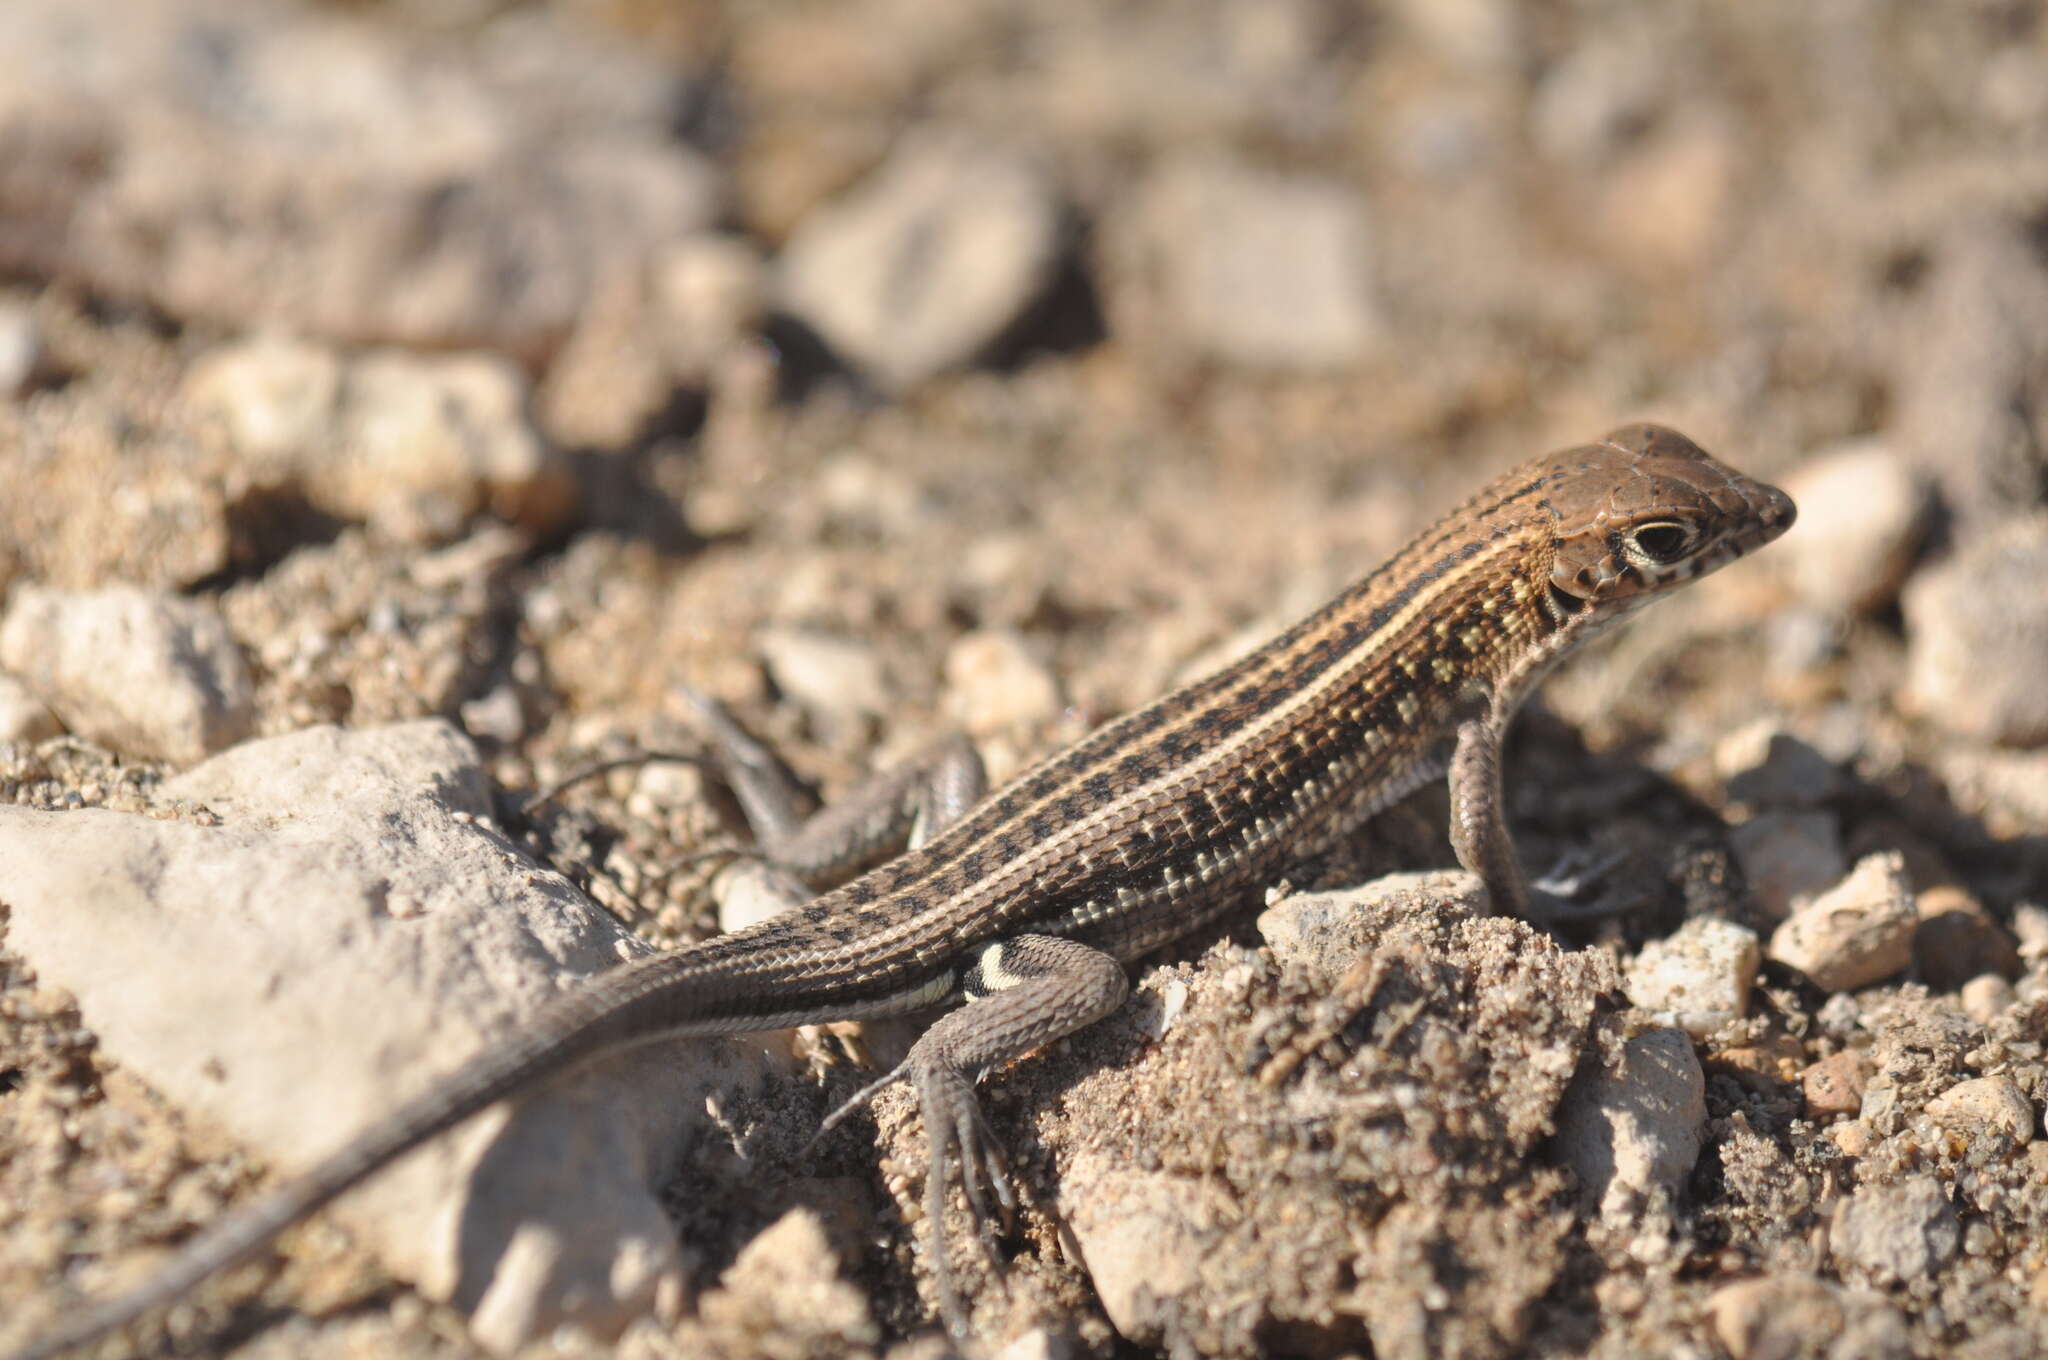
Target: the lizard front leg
(1479, 830)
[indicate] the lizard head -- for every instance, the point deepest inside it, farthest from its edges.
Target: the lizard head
(1644, 510)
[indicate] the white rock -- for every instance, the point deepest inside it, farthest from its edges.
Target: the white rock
(1858, 932)
(1982, 1104)
(1986, 998)
(994, 682)
(787, 1280)
(1902, 1231)
(749, 891)
(925, 263)
(1251, 266)
(1635, 1131)
(351, 931)
(1780, 1316)
(1330, 928)
(277, 398)
(23, 717)
(838, 678)
(1141, 1239)
(711, 290)
(1862, 514)
(1040, 1343)
(146, 674)
(429, 441)
(1977, 636)
(1698, 977)
(414, 444)
(21, 349)
(2030, 924)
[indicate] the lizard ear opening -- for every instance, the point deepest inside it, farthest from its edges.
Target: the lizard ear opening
(1560, 603)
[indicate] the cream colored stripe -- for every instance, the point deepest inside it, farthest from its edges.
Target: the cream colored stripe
(1364, 657)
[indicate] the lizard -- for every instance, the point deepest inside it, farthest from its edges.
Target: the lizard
(1015, 916)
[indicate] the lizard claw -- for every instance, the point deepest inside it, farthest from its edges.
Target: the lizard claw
(1576, 871)
(960, 1139)
(859, 1100)
(982, 1162)
(1557, 898)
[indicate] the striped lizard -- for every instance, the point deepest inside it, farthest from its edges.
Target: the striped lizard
(1016, 915)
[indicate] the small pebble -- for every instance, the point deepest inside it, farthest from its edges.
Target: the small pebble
(1881, 1106)
(711, 289)
(1858, 932)
(1902, 1231)
(1698, 977)
(430, 440)
(1958, 940)
(837, 678)
(21, 350)
(1774, 1315)
(750, 891)
(1765, 766)
(1834, 1085)
(994, 682)
(1862, 513)
(1985, 1104)
(272, 396)
(1788, 857)
(2030, 923)
(1839, 1016)
(1986, 998)
(918, 268)
(1636, 1129)
(1977, 636)
(497, 716)
(1040, 1343)
(148, 674)
(1853, 1138)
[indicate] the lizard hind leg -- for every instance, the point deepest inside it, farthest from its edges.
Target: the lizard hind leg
(1022, 992)
(897, 808)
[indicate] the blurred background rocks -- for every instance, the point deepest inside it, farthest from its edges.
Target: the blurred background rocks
(887, 368)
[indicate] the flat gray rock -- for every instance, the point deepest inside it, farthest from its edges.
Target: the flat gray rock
(348, 929)
(923, 265)
(1262, 268)
(1977, 637)
(1633, 1130)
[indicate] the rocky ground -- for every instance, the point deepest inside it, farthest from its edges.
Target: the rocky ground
(399, 401)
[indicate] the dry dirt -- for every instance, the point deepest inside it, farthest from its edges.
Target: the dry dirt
(1781, 229)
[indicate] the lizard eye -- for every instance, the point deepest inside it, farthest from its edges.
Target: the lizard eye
(1661, 541)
